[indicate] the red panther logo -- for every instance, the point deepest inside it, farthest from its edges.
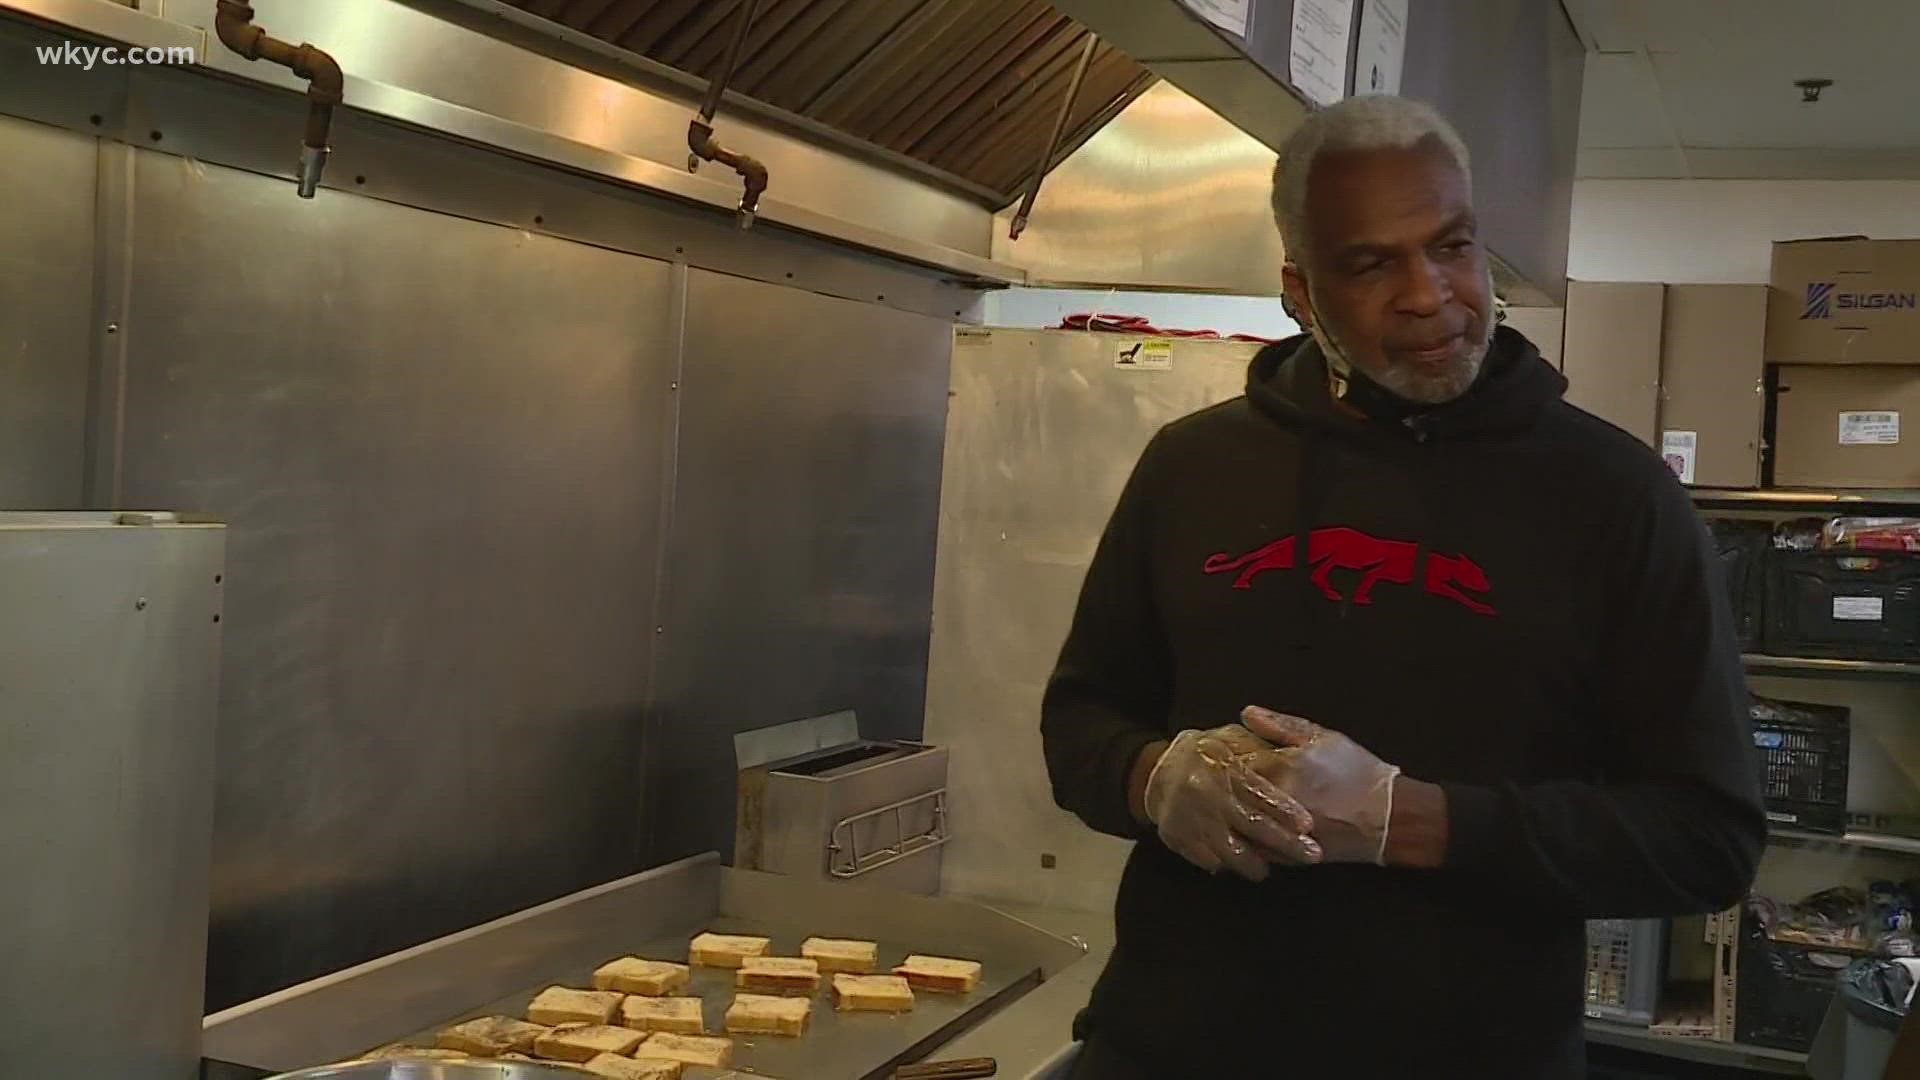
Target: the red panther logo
(1451, 577)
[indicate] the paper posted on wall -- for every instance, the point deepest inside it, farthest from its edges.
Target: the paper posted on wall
(1322, 30)
(1681, 449)
(1383, 47)
(1233, 16)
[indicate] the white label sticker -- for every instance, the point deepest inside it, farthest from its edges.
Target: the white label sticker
(1149, 355)
(1383, 47)
(1869, 429)
(1233, 16)
(1857, 608)
(1318, 62)
(1681, 449)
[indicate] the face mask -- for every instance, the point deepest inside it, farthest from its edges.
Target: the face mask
(1339, 368)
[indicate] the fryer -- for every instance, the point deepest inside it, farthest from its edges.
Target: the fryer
(818, 801)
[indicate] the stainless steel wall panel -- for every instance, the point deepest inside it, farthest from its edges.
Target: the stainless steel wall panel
(801, 555)
(109, 676)
(438, 446)
(1508, 74)
(1042, 433)
(47, 185)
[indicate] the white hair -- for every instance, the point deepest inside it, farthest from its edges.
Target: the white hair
(1373, 122)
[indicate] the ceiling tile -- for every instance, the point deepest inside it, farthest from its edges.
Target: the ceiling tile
(1742, 94)
(1619, 105)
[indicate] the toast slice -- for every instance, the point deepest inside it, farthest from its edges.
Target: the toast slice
(941, 974)
(583, 1043)
(725, 950)
(835, 955)
(758, 1014)
(649, 978)
(616, 1067)
(708, 1050)
(872, 993)
(396, 1051)
(559, 1005)
(680, 1015)
(779, 975)
(490, 1036)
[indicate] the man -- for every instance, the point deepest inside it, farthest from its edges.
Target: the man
(1399, 667)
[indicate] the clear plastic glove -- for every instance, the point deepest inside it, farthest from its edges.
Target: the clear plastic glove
(1213, 807)
(1343, 785)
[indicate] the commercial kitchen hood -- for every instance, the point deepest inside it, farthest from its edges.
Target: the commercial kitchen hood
(1506, 72)
(964, 93)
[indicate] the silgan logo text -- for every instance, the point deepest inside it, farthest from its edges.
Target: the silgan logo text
(1823, 300)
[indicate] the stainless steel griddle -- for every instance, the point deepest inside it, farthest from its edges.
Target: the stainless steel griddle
(498, 967)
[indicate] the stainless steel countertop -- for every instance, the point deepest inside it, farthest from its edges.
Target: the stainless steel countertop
(495, 967)
(1033, 1038)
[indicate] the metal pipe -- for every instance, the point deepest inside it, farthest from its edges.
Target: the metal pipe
(700, 138)
(1053, 141)
(326, 84)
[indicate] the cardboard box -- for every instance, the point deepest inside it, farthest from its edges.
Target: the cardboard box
(1844, 301)
(1610, 353)
(1713, 382)
(1543, 326)
(1847, 427)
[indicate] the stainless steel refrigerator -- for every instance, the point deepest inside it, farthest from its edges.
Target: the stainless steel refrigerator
(109, 669)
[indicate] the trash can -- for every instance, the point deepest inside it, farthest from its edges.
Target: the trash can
(1875, 995)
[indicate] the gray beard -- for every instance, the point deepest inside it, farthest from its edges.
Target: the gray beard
(1437, 388)
(1410, 384)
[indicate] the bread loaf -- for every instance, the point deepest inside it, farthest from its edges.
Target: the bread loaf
(490, 1036)
(872, 993)
(586, 1042)
(706, 1050)
(632, 975)
(616, 1067)
(725, 950)
(560, 1005)
(779, 975)
(681, 1015)
(940, 974)
(758, 1014)
(835, 955)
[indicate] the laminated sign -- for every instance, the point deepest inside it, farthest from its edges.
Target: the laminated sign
(1869, 429)
(1681, 449)
(1858, 609)
(1144, 356)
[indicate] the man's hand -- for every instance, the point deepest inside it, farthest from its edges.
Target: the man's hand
(1207, 797)
(1348, 790)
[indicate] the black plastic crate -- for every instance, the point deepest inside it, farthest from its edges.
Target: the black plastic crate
(1742, 547)
(1802, 751)
(1847, 605)
(1626, 962)
(1782, 990)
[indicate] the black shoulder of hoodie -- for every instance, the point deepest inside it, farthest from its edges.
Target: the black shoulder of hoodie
(1605, 453)
(1194, 431)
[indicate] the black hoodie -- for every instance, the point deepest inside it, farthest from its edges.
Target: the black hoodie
(1504, 596)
